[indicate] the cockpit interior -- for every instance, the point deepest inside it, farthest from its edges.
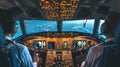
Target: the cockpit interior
(60, 32)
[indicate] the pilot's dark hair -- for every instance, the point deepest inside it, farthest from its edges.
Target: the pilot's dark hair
(7, 21)
(110, 23)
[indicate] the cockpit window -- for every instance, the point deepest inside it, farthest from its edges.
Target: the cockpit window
(99, 28)
(35, 26)
(85, 26)
(19, 32)
(101, 36)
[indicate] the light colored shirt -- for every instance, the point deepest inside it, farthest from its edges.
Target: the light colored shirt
(93, 55)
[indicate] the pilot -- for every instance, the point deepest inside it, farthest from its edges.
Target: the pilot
(111, 54)
(22, 54)
(108, 28)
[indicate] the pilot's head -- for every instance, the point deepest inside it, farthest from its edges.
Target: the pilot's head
(7, 24)
(108, 28)
(7, 21)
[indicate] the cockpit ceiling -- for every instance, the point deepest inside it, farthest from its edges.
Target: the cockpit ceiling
(59, 9)
(62, 9)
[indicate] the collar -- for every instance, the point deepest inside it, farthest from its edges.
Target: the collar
(8, 38)
(9, 46)
(110, 39)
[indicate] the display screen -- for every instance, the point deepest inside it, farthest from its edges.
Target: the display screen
(85, 26)
(79, 43)
(36, 26)
(59, 53)
(51, 45)
(40, 43)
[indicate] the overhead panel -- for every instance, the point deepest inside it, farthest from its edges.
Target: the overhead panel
(59, 9)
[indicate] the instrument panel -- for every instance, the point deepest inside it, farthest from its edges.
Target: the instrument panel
(60, 42)
(60, 34)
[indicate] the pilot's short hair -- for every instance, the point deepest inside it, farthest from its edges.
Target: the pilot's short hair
(7, 20)
(111, 19)
(110, 23)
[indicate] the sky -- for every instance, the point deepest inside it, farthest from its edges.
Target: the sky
(35, 26)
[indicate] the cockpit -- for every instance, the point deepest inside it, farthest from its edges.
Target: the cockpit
(59, 33)
(70, 30)
(73, 37)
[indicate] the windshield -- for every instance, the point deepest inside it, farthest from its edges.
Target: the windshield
(85, 26)
(35, 26)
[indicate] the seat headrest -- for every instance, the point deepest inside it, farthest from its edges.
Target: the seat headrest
(117, 33)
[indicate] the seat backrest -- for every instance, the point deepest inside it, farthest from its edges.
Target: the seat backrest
(4, 56)
(111, 53)
(110, 57)
(10, 56)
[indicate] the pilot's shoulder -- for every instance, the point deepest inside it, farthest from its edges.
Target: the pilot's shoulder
(111, 47)
(97, 47)
(20, 46)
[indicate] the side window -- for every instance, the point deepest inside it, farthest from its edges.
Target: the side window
(101, 36)
(99, 29)
(18, 32)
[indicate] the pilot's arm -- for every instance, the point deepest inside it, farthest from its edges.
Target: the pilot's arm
(26, 58)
